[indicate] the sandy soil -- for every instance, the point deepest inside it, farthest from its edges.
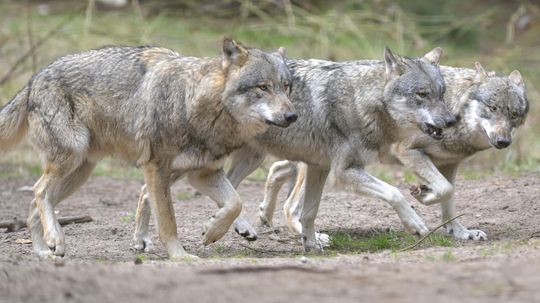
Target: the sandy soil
(99, 265)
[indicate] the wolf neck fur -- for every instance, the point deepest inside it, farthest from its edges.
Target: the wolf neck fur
(209, 110)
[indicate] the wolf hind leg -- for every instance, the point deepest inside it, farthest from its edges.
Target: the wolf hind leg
(57, 183)
(141, 238)
(215, 185)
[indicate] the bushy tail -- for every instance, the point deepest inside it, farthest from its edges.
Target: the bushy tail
(14, 121)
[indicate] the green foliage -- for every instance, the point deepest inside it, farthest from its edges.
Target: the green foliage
(468, 31)
(350, 242)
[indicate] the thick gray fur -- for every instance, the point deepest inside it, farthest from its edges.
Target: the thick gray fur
(488, 109)
(153, 108)
(349, 113)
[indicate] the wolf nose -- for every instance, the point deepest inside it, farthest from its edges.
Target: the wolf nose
(502, 143)
(290, 117)
(451, 122)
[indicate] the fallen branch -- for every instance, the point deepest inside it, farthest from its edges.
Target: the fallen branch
(429, 234)
(16, 224)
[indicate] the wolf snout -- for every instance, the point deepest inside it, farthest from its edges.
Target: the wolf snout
(503, 143)
(290, 117)
(283, 120)
(451, 121)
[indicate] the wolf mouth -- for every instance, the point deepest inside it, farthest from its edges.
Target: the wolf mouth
(282, 125)
(433, 131)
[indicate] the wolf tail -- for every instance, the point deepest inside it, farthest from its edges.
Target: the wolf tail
(14, 120)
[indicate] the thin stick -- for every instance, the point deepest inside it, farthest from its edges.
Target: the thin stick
(30, 34)
(16, 224)
(40, 42)
(429, 234)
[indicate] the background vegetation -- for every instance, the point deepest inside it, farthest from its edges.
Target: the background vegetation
(502, 35)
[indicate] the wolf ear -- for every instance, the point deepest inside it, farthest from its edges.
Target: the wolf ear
(434, 56)
(281, 51)
(515, 77)
(480, 72)
(233, 53)
(392, 63)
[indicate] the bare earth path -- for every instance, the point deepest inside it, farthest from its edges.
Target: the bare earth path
(100, 267)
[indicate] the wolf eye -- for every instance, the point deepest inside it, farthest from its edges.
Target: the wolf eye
(262, 87)
(422, 95)
(286, 86)
(492, 108)
(514, 115)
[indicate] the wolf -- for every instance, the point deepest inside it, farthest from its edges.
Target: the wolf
(348, 114)
(151, 107)
(488, 109)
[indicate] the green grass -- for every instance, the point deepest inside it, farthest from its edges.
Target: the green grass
(128, 217)
(184, 195)
(350, 242)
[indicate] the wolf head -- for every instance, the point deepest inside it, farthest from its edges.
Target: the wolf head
(414, 93)
(257, 86)
(495, 107)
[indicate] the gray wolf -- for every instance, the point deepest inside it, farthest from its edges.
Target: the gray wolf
(349, 113)
(153, 108)
(488, 109)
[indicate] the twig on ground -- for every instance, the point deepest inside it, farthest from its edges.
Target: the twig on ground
(429, 234)
(16, 224)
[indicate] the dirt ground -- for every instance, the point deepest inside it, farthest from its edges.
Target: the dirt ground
(99, 265)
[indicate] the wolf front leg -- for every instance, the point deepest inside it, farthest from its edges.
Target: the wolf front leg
(157, 177)
(455, 228)
(244, 161)
(314, 185)
(215, 185)
(359, 181)
(438, 186)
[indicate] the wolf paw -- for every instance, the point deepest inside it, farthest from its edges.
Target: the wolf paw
(323, 239)
(143, 244)
(314, 244)
(244, 229)
(429, 196)
(467, 234)
(413, 223)
(55, 242)
(265, 221)
(216, 228)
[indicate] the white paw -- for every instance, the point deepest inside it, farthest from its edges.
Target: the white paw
(217, 227)
(413, 223)
(265, 221)
(143, 244)
(55, 242)
(468, 234)
(244, 229)
(429, 196)
(323, 239)
(312, 244)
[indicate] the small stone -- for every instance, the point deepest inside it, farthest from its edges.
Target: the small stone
(138, 260)
(303, 259)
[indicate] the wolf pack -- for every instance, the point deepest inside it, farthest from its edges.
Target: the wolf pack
(182, 117)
